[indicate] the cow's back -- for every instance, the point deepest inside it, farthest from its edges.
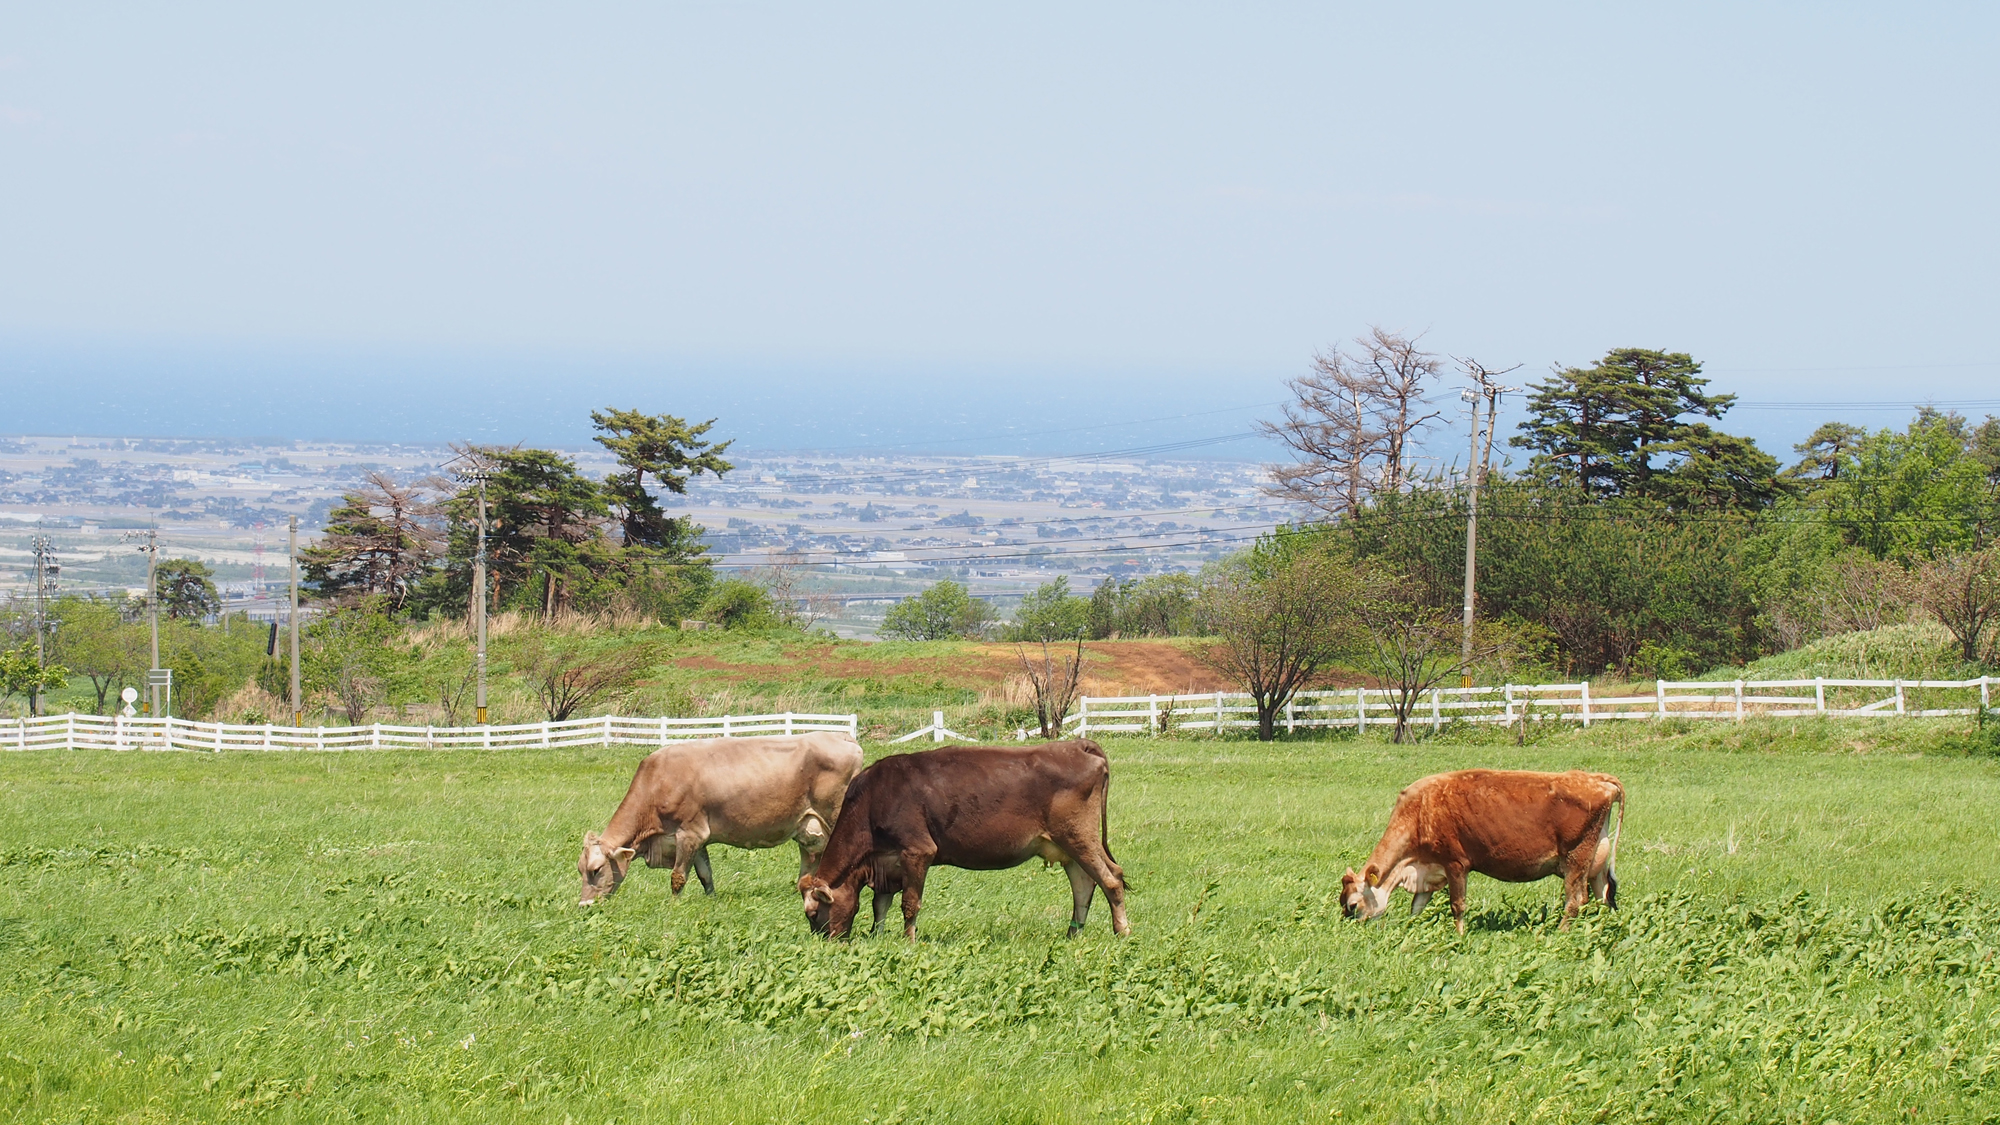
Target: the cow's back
(981, 806)
(752, 787)
(1506, 819)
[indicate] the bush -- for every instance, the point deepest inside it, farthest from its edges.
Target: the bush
(736, 604)
(940, 613)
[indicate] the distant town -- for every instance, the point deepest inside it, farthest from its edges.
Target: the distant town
(863, 531)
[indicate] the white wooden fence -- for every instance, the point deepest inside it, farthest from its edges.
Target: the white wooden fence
(1510, 703)
(74, 732)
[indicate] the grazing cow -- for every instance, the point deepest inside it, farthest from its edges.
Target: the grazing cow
(1512, 825)
(749, 792)
(978, 807)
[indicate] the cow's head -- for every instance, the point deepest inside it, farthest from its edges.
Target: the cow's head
(1363, 895)
(830, 908)
(602, 868)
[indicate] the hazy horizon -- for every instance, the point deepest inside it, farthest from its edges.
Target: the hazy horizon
(1038, 230)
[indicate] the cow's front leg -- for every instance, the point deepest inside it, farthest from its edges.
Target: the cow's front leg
(702, 870)
(687, 844)
(1081, 888)
(880, 905)
(915, 865)
(811, 838)
(1454, 885)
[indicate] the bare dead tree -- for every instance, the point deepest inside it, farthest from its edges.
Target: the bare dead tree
(1057, 680)
(1329, 428)
(379, 542)
(1354, 420)
(1860, 591)
(1399, 378)
(1962, 590)
(568, 678)
(784, 578)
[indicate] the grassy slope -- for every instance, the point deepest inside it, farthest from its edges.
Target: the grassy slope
(1914, 651)
(1808, 933)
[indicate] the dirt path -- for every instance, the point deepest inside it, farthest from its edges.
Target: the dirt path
(1111, 667)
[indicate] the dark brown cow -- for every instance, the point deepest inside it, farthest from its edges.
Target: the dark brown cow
(978, 807)
(1511, 825)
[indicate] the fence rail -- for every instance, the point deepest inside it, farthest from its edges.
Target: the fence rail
(1511, 703)
(73, 732)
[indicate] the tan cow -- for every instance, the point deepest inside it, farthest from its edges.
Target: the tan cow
(747, 792)
(1512, 825)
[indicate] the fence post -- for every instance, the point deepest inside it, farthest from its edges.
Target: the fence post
(1739, 701)
(854, 727)
(319, 737)
(69, 730)
(1290, 726)
(937, 726)
(1082, 716)
(725, 726)
(1152, 716)
(1899, 697)
(663, 730)
(1510, 705)
(1819, 695)
(1586, 702)
(1437, 712)
(1985, 692)
(1660, 698)
(1218, 712)
(486, 736)
(788, 723)
(375, 737)
(267, 736)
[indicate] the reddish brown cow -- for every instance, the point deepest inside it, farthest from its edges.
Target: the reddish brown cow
(978, 807)
(1512, 825)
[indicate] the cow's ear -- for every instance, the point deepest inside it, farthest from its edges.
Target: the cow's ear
(1373, 876)
(622, 854)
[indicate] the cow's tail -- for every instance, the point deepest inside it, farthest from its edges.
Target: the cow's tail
(1611, 861)
(1104, 818)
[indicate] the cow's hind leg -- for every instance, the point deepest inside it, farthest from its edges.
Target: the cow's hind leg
(1098, 864)
(1454, 886)
(1576, 882)
(702, 870)
(915, 865)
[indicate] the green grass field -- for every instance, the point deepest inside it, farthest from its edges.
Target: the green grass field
(1811, 912)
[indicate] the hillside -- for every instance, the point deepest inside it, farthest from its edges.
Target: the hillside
(1912, 651)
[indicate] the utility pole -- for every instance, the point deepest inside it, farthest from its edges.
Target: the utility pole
(1471, 540)
(298, 706)
(153, 618)
(1475, 474)
(479, 577)
(44, 572)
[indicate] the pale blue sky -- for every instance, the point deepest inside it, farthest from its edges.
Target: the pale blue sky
(784, 211)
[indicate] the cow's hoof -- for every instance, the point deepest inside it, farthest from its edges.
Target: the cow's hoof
(1075, 928)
